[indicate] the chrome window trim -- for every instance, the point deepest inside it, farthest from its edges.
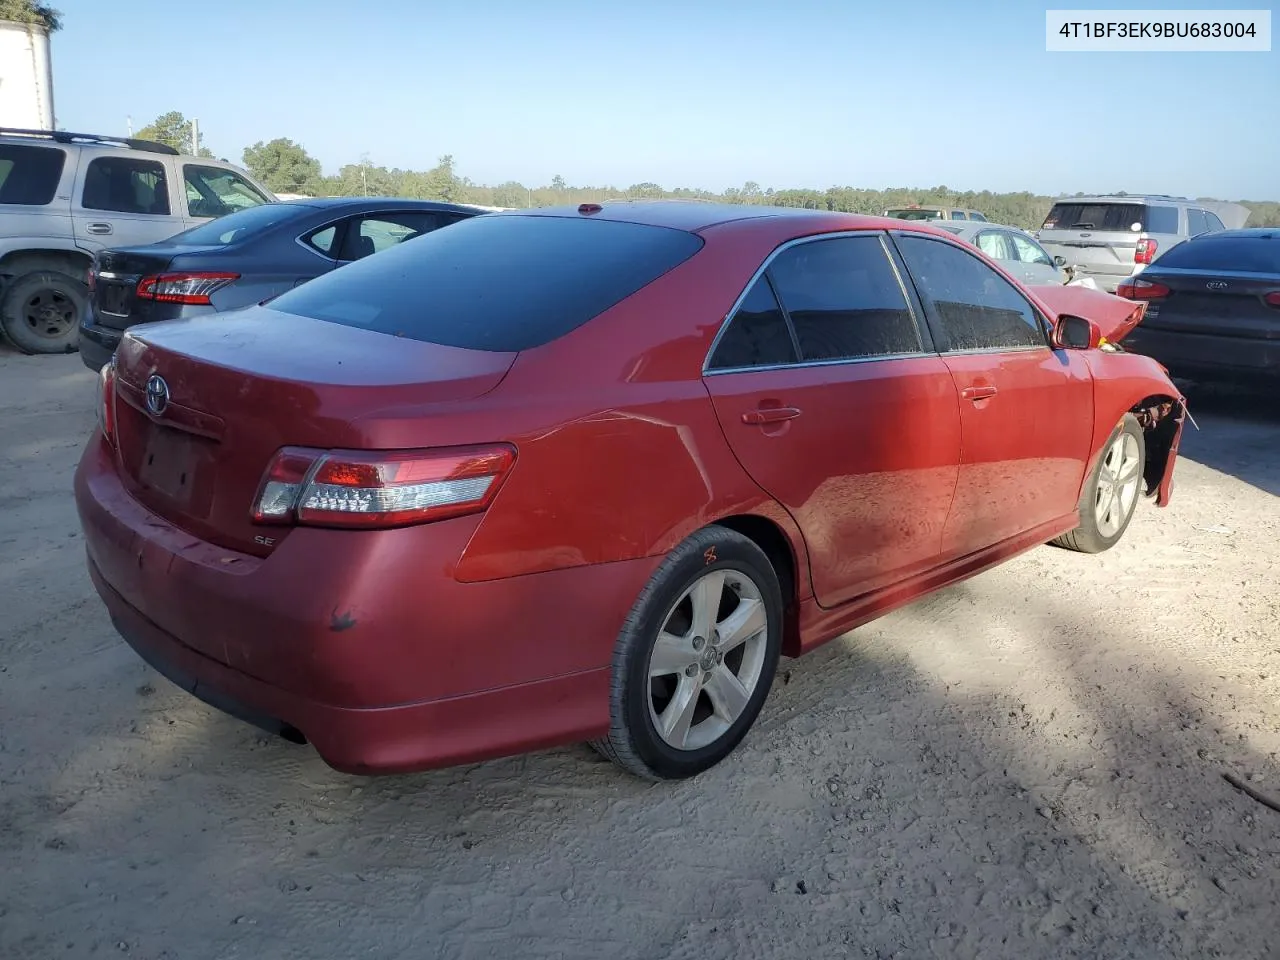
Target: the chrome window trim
(881, 236)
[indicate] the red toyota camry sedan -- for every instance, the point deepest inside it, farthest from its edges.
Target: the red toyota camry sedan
(587, 473)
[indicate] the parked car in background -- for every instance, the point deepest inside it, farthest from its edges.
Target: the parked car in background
(1213, 306)
(918, 212)
(1016, 250)
(1111, 238)
(586, 473)
(244, 258)
(66, 196)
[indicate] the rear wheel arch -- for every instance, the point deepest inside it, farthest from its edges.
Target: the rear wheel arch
(781, 551)
(17, 263)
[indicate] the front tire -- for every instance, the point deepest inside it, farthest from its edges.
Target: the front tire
(41, 310)
(695, 659)
(1110, 497)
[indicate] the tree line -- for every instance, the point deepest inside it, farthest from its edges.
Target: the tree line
(285, 167)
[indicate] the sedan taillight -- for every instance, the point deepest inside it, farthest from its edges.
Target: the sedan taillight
(1139, 289)
(194, 288)
(1273, 298)
(346, 488)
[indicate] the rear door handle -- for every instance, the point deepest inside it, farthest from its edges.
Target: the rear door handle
(978, 392)
(99, 228)
(770, 415)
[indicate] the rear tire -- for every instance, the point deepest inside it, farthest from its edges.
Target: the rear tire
(695, 659)
(1111, 494)
(40, 311)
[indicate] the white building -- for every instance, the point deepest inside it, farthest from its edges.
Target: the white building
(26, 77)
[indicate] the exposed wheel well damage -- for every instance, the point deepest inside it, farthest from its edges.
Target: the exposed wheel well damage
(768, 536)
(1160, 416)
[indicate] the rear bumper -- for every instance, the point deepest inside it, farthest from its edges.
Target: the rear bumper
(97, 343)
(361, 640)
(1185, 354)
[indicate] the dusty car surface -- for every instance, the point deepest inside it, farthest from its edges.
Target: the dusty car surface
(587, 473)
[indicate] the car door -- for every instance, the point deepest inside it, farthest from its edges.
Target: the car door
(1026, 411)
(123, 199)
(370, 233)
(1033, 262)
(834, 402)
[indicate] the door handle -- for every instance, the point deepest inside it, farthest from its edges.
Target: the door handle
(765, 415)
(978, 392)
(99, 228)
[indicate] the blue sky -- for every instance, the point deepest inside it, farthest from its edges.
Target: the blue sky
(704, 93)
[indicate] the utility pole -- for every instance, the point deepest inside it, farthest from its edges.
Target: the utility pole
(128, 122)
(195, 137)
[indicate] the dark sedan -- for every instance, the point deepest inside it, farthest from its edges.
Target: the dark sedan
(1213, 306)
(244, 258)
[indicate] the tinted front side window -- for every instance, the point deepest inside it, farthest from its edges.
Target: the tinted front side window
(1216, 254)
(504, 282)
(844, 299)
(1029, 251)
(1214, 222)
(1197, 222)
(757, 334)
(126, 185)
(29, 175)
(978, 308)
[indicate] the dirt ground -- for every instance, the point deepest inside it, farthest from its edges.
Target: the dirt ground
(1026, 765)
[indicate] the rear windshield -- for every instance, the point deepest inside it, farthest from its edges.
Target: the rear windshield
(1222, 254)
(915, 214)
(240, 225)
(29, 175)
(1119, 217)
(503, 283)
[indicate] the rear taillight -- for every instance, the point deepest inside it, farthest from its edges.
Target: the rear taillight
(184, 287)
(107, 401)
(1146, 251)
(1139, 289)
(1273, 298)
(91, 277)
(342, 488)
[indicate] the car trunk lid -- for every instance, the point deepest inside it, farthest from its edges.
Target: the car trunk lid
(115, 276)
(1220, 303)
(1115, 316)
(257, 381)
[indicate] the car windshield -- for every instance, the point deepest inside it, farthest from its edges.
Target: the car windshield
(503, 283)
(1226, 254)
(240, 225)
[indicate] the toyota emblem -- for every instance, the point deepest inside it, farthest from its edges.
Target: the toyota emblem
(1217, 284)
(157, 394)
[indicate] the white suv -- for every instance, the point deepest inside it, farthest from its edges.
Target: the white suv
(1110, 238)
(66, 196)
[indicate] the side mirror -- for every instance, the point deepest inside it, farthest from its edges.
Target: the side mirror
(1060, 261)
(1077, 333)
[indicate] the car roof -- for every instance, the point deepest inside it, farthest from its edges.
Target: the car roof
(973, 226)
(1246, 233)
(696, 216)
(1124, 198)
(358, 204)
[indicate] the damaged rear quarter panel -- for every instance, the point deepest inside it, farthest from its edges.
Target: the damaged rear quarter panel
(1127, 382)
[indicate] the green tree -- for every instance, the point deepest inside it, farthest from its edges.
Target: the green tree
(28, 11)
(284, 166)
(174, 130)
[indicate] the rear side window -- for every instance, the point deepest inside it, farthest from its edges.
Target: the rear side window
(126, 185)
(378, 231)
(503, 283)
(29, 175)
(1218, 254)
(844, 300)
(235, 227)
(1161, 219)
(958, 215)
(757, 334)
(978, 308)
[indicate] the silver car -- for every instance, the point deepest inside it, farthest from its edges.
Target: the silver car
(1111, 238)
(1015, 250)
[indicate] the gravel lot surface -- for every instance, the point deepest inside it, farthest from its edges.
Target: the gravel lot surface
(1027, 765)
